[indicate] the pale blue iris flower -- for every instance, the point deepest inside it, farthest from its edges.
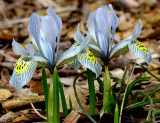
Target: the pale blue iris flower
(44, 33)
(102, 25)
(79, 54)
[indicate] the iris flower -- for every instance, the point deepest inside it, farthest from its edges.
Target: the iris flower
(44, 33)
(102, 25)
(79, 54)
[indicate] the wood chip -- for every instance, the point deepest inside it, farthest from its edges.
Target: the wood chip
(72, 117)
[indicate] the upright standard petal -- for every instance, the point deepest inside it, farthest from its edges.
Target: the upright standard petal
(58, 20)
(137, 30)
(23, 72)
(140, 50)
(88, 60)
(78, 36)
(20, 50)
(46, 49)
(103, 21)
(34, 30)
(49, 30)
(85, 42)
(114, 22)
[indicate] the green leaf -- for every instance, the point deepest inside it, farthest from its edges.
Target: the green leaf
(116, 114)
(156, 112)
(130, 87)
(70, 104)
(105, 107)
(45, 88)
(56, 116)
(64, 105)
(151, 102)
(92, 96)
(76, 95)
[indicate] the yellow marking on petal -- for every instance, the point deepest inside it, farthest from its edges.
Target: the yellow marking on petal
(141, 46)
(21, 66)
(89, 55)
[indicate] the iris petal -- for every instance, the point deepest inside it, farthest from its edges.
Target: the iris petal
(34, 30)
(115, 21)
(140, 50)
(121, 44)
(78, 36)
(20, 50)
(68, 54)
(88, 60)
(46, 49)
(48, 24)
(23, 71)
(58, 20)
(103, 20)
(137, 30)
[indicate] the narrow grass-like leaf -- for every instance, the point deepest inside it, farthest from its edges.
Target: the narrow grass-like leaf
(56, 116)
(139, 104)
(45, 88)
(70, 104)
(130, 87)
(149, 98)
(105, 106)
(154, 113)
(146, 70)
(116, 114)
(100, 84)
(64, 105)
(76, 95)
(92, 96)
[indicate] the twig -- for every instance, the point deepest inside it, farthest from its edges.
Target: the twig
(6, 22)
(8, 57)
(37, 111)
(120, 116)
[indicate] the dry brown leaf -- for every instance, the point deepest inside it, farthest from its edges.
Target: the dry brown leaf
(8, 117)
(72, 117)
(70, 92)
(21, 102)
(21, 119)
(4, 94)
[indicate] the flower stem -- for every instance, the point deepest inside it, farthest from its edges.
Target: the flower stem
(107, 89)
(50, 101)
(56, 115)
(92, 97)
(53, 99)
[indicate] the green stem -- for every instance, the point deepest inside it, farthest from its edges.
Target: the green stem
(107, 89)
(53, 99)
(76, 95)
(56, 115)
(92, 97)
(50, 102)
